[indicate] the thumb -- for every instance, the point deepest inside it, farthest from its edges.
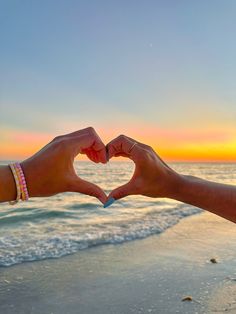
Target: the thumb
(121, 191)
(88, 188)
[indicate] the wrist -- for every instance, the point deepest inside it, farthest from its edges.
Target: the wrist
(176, 186)
(7, 185)
(183, 188)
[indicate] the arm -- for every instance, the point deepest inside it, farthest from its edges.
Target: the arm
(51, 171)
(217, 198)
(154, 178)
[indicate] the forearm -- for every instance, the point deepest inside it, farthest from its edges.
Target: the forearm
(7, 185)
(217, 198)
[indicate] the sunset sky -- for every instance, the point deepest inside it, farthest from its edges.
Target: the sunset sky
(162, 72)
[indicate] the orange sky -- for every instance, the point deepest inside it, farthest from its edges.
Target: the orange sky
(172, 145)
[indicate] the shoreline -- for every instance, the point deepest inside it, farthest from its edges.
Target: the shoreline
(150, 275)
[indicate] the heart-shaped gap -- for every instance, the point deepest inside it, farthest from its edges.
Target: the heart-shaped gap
(107, 176)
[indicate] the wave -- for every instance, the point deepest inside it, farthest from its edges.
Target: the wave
(43, 241)
(69, 222)
(32, 216)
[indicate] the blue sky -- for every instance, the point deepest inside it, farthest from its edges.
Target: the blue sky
(166, 63)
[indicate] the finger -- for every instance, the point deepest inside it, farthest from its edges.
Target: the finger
(94, 143)
(88, 188)
(95, 156)
(124, 146)
(122, 191)
(92, 155)
(86, 142)
(99, 148)
(118, 146)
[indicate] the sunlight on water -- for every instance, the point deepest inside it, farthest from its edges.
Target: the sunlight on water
(63, 224)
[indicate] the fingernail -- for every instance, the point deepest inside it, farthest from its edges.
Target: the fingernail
(109, 202)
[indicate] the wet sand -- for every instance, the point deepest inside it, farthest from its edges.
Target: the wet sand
(144, 276)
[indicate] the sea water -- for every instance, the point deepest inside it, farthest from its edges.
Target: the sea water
(56, 226)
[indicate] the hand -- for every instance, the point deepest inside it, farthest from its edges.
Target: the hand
(152, 177)
(51, 170)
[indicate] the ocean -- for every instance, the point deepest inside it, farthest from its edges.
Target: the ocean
(44, 228)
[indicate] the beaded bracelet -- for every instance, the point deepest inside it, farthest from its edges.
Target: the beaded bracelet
(21, 177)
(23, 186)
(18, 190)
(22, 191)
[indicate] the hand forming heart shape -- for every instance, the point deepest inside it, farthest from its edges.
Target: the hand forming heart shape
(51, 170)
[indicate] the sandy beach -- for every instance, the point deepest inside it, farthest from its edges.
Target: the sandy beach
(144, 276)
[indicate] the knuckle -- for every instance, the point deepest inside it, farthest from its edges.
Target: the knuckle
(122, 137)
(147, 147)
(62, 142)
(57, 138)
(90, 129)
(151, 152)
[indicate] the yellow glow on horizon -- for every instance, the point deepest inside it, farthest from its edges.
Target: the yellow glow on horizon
(215, 151)
(171, 146)
(199, 154)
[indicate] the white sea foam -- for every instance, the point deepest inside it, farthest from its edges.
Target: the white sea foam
(67, 223)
